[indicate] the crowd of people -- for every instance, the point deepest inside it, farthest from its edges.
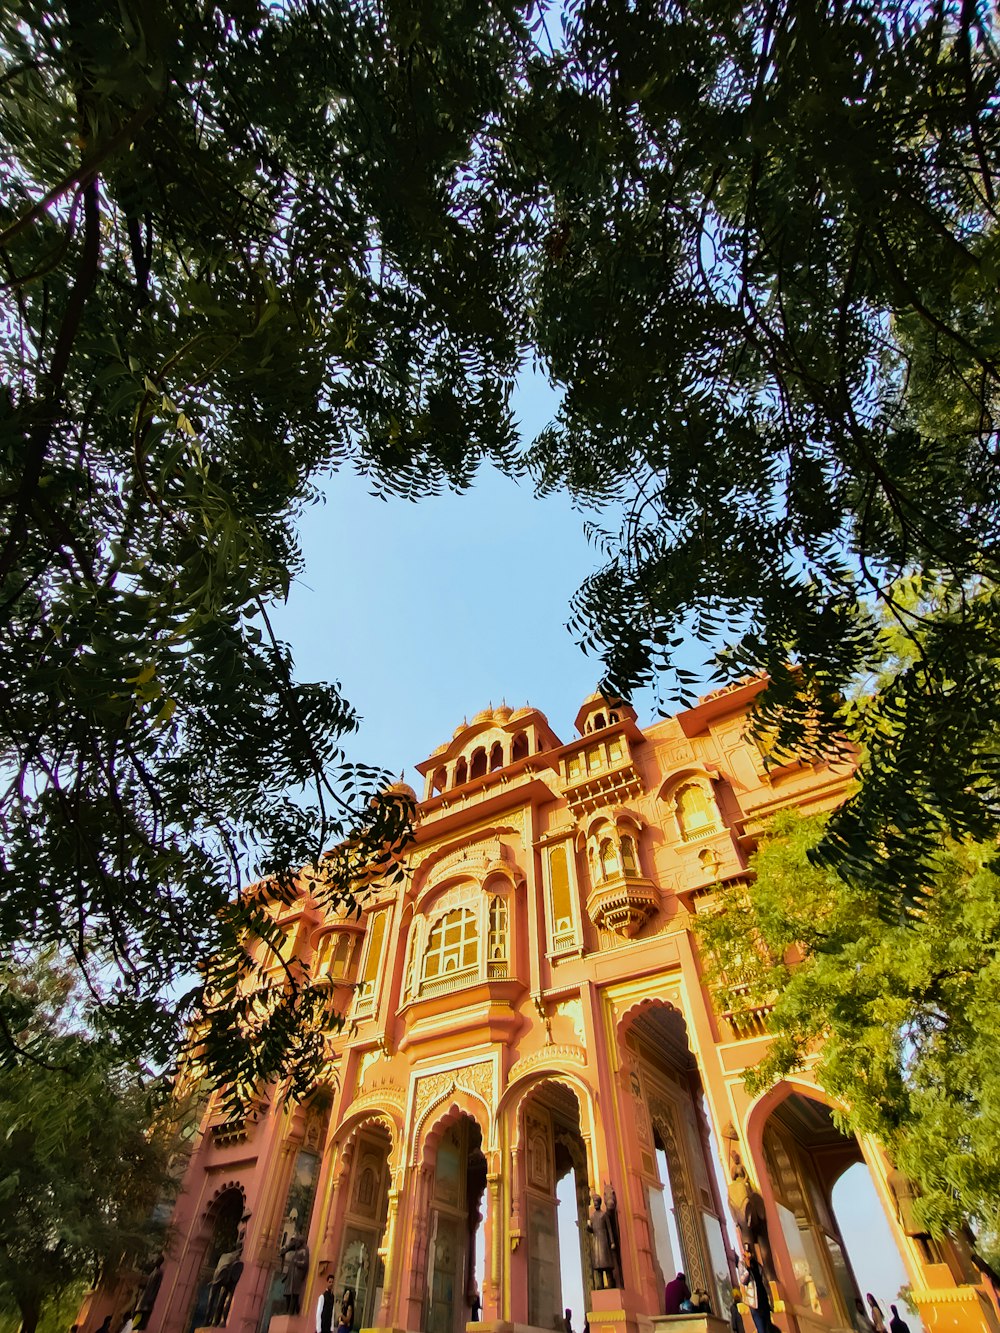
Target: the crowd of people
(754, 1293)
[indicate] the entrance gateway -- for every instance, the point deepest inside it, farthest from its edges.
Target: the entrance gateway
(527, 1026)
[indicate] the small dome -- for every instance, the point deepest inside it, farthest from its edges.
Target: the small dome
(485, 716)
(462, 726)
(519, 713)
(439, 749)
(401, 789)
(502, 714)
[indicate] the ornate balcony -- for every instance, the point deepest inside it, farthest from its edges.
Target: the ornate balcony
(623, 903)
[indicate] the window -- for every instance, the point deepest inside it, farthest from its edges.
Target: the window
(341, 956)
(629, 862)
(496, 757)
(599, 722)
(461, 773)
(364, 999)
(497, 954)
(453, 945)
(616, 749)
(439, 781)
(574, 766)
(477, 768)
(560, 901)
(595, 759)
(695, 810)
(609, 859)
(519, 749)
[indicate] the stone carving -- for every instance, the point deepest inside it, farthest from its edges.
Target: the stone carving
(603, 1243)
(476, 1079)
(662, 1115)
(573, 1010)
(548, 1055)
(747, 1206)
(228, 1272)
(367, 1060)
(389, 1094)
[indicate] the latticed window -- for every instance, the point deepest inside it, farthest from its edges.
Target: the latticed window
(498, 929)
(453, 945)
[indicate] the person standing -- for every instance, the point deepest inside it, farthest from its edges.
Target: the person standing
(347, 1311)
(897, 1324)
(875, 1313)
(326, 1307)
(755, 1291)
(862, 1324)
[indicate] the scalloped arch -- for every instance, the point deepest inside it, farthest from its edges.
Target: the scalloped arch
(679, 776)
(516, 1093)
(643, 1006)
(354, 1122)
(448, 1107)
(228, 1187)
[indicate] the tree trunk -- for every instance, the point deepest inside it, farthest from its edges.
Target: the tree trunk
(30, 1310)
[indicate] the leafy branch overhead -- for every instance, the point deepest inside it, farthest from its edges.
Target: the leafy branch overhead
(243, 245)
(225, 234)
(771, 294)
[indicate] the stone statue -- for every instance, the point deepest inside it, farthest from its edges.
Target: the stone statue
(228, 1272)
(748, 1210)
(603, 1248)
(904, 1191)
(295, 1256)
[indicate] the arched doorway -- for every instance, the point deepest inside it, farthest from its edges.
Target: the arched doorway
(673, 1154)
(806, 1156)
(359, 1264)
(221, 1233)
(554, 1180)
(457, 1186)
(308, 1137)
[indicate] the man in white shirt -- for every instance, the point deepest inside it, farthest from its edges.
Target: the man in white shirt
(326, 1308)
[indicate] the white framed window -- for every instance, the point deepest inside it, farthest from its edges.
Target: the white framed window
(452, 947)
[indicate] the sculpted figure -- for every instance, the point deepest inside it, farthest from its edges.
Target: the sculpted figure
(603, 1249)
(149, 1293)
(748, 1210)
(296, 1264)
(228, 1272)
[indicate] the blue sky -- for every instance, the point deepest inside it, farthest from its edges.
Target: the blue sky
(426, 613)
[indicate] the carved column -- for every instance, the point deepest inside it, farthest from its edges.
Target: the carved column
(387, 1253)
(494, 1247)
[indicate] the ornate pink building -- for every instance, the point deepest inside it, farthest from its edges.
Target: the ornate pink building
(528, 1023)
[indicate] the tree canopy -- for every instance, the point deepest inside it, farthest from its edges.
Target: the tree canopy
(896, 1014)
(84, 1158)
(754, 246)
